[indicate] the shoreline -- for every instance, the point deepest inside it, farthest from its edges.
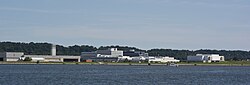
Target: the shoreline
(119, 64)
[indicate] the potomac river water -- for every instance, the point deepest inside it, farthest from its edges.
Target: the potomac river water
(123, 75)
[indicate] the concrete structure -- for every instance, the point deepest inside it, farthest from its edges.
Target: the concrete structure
(53, 50)
(10, 56)
(111, 54)
(162, 59)
(206, 58)
(16, 56)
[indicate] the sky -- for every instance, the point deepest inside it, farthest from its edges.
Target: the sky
(146, 24)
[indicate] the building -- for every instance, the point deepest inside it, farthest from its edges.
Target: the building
(17, 56)
(133, 53)
(110, 55)
(148, 59)
(162, 59)
(112, 52)
(50, 58)
(88, 56)
(131, 59)
(206, 58)
(10, 56)
(53, 57)
(114, 55)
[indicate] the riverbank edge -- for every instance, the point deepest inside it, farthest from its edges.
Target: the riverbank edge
(118, 64)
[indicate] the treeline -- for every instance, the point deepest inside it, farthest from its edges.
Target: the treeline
(45, 49)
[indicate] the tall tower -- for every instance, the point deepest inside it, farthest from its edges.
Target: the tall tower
(53, 50)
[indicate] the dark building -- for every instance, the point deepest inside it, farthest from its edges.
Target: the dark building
(133, 53)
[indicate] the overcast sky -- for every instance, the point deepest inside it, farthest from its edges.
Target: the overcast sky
(174, 24)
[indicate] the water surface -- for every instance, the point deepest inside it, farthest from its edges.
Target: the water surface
(122, 75)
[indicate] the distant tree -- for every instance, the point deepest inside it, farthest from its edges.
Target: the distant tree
(235, 59)
(123, 48)
(27, 59)
(126, 60)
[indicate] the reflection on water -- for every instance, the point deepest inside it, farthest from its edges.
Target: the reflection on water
(116, 75)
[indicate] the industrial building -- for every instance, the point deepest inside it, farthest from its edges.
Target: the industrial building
(163, 59)
(53, 57)
(149, 59)
(110, 55)
(19, 56)
(133, 56)
(133, 53)
(49, 58)
(11, 56)
(206, 58)
(114, 55)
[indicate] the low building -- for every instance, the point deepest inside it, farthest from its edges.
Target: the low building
(206, 58)
(11, 56)
(50, 58)
(17, 56)
(133, 56)
(131, 59)
(88, 55)
(104, 59)
(162, 59)
(133, 53)
(111, 54)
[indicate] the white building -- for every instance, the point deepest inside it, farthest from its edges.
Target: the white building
(123, 58)
(206, 58)
(115, 55)
(162, 59)
(133, 59)
(50, 58)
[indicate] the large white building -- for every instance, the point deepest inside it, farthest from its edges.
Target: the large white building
(163, 59)
(206, 58)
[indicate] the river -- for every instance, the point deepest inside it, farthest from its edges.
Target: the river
(123, 75)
